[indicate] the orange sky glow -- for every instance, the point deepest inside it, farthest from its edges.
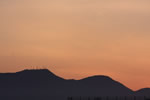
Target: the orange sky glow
(78, 38)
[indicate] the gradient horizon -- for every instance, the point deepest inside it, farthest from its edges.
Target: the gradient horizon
(78, 38)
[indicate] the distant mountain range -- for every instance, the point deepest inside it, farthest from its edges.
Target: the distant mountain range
(44, 83)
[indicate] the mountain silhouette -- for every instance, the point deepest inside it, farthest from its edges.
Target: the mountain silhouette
(104, 85)
(144, 91)
(45, 83)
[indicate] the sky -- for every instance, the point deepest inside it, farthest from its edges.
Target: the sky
(78, 38)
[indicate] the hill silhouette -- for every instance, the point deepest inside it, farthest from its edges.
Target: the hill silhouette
(45, 83)
(144, 91)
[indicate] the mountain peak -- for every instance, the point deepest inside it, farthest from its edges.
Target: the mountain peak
(45, 82)
(38, 73)
(98, 77)
(34, 71)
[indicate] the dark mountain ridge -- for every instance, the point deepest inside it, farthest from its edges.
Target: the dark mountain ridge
(45, 83)
(144, 91)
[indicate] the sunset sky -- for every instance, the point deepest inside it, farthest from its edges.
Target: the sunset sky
(78, 38)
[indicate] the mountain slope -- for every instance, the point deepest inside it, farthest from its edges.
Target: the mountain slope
(45, 83)
(28, 78)
(144, 91)
(104, 85)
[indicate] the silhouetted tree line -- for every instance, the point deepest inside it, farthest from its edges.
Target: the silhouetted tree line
(110, 98)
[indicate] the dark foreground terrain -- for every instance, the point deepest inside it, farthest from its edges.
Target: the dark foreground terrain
(44, 85)
(73, 98)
